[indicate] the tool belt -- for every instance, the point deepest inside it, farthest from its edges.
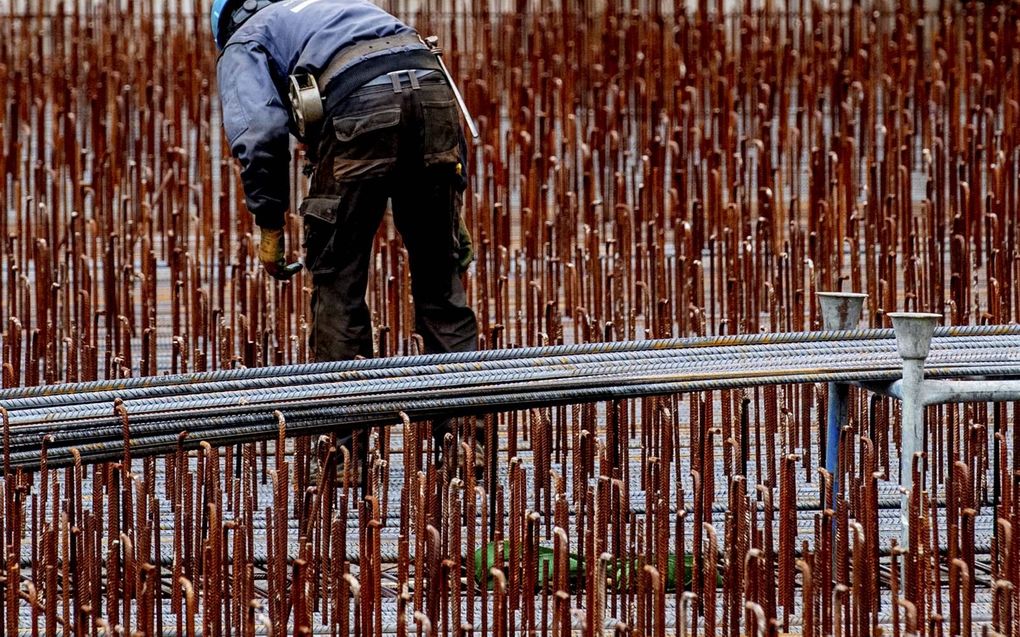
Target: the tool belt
(348, 71)
(345, 73)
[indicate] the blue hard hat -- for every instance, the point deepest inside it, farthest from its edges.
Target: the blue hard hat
(225, 16)
(215, 12)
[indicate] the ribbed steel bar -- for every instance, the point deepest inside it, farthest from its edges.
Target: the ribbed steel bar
(237, 381)
(989, 349)
(359, 370)
(85, 424)
(25, 424)
(489, 355)
(717, 355)
(242, 423)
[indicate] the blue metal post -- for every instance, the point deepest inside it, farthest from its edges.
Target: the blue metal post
(840, 311)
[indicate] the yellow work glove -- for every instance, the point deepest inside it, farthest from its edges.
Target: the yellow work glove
(273, 257)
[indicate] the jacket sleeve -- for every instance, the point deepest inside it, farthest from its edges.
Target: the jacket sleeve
(256, 123)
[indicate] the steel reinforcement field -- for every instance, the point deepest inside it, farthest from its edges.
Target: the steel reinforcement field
(658, 194)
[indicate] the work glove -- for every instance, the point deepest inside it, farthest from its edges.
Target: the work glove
(272, 255)
(465, 248)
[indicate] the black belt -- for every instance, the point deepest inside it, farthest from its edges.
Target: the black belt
(339, 86)
(388, 79)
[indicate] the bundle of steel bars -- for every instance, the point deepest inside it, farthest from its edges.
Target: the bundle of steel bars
(146, 416)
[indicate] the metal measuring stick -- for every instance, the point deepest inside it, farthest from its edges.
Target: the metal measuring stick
(433, 43)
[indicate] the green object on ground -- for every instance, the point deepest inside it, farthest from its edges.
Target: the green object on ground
(545, 556)
(617, 571)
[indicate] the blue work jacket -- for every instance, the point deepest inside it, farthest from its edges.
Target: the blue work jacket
(293, 36)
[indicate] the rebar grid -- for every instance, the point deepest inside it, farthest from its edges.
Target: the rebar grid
(643, 172)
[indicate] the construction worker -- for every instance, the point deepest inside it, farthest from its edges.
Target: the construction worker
(380, 123)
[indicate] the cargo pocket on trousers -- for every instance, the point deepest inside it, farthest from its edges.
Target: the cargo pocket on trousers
(442, 132)
(319, 216)
(367, 143)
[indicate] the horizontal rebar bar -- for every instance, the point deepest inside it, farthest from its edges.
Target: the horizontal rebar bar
(340, 406)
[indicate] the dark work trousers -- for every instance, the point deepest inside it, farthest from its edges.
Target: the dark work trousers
(400, 141)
